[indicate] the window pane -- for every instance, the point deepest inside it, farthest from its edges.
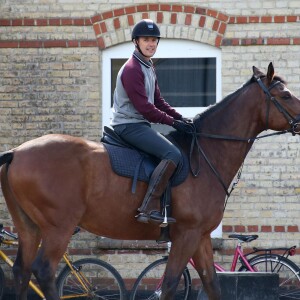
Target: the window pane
(183, 82)
(187, 82)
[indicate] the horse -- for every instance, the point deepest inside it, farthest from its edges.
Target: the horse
(55, 182)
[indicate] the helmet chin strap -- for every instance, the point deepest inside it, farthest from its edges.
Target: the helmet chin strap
(138, 47)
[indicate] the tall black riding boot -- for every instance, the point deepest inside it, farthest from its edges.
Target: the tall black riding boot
(149, 210)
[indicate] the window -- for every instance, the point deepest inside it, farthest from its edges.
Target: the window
(189, 76)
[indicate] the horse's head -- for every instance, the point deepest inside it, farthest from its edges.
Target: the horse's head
(282, 109)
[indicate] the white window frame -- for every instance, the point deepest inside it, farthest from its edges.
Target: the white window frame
(168, 48)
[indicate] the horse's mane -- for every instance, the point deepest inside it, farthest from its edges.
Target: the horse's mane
(217, 106)
(179, 137)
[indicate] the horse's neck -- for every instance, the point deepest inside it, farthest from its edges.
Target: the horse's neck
(239, 119)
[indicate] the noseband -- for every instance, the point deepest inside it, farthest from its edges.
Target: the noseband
(294, 122)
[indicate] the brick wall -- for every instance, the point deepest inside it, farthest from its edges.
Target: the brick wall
(50, 58)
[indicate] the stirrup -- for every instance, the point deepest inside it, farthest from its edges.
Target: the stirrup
(156, 218)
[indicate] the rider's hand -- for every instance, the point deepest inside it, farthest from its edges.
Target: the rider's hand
(187, 120)
(182, 126)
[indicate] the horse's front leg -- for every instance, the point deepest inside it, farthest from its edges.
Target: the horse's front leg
(183, 247)
(204, 263)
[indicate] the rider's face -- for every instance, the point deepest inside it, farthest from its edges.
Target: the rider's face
(148, 45)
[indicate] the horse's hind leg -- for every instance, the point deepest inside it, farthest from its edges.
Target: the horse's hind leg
(28, 244)
(50, 253)
(29, 238)
(204, 264)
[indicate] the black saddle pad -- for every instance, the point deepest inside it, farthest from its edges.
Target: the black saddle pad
(132, 163)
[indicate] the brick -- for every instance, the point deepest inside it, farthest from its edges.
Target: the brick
(101, 43)
(227, 228)
(254, 19)
(188, 19)
(241, 20)
(218, 41)
(130, 10)
(176, 8)
(5, 22)
(279, 228)
(130, 20)
(88, 43)
(212, 13)
(54, 22)
(55, 44)
(293, 228)
(279, 19)
(266, 19)
(265, 228)
(141, 8)
(103, 27)
(278, 41)
(239, 228)
(202, 21)
(79, 22)
(145, 15)
(97, 29)
(215, 26)
(153, 7)
(222, 28)
(117, 23)
(160, 17)
(96, 18)
(189, 9)
(173, 18)
(165, 7)
(107, 15)
(252, 228)
(119, 12)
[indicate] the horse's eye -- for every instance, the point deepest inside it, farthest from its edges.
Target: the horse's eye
(287, 95)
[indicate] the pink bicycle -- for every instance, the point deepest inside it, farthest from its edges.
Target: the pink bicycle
(148, 284)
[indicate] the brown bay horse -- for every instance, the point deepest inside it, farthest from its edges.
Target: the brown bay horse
(55, 182)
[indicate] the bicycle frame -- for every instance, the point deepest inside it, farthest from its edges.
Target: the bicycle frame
(238, 253)
(80, 277)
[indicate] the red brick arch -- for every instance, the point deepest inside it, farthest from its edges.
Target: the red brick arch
(176, 21)
(190, 22)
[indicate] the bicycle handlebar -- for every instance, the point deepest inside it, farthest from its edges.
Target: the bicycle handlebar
(8, 233)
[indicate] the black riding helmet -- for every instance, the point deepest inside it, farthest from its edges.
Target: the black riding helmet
(145, 27)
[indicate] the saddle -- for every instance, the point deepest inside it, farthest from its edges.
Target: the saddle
(128, 161)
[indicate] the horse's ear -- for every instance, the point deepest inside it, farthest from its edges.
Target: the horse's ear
(257, 73)
(271, 72)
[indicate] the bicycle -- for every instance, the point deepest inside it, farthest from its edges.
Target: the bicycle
(87, 278)
(148, 284)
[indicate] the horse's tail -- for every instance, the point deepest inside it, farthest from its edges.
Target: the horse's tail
(6, 157)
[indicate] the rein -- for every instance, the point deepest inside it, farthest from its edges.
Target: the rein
(294, 123)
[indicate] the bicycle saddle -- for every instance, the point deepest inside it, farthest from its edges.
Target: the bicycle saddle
(244, 238)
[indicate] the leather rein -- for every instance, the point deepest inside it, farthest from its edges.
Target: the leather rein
(294, 129)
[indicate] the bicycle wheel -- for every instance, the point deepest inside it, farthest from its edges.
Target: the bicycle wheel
(99, 280)
(2, 283)
(289, 273)
(148, 284)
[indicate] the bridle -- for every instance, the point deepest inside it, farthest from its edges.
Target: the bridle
(294, 129)
(294, 122)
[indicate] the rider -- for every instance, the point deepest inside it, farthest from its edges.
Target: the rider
(137, 102)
